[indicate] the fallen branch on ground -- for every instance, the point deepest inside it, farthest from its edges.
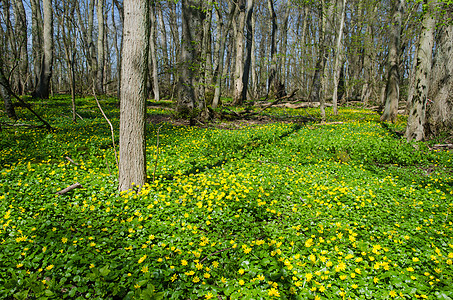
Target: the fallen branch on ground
(70, 160)
(69, 188)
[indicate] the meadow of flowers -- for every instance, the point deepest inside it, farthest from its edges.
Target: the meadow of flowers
(284, 210)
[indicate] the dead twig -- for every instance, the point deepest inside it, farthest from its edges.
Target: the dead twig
(69, 188)
(110, 124)
(71, 161)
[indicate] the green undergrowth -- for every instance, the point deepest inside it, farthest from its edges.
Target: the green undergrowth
(290, 210)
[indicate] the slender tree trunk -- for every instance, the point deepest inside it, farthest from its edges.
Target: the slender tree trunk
(153, 50)
(282, 65)
(206, 51)
(22, 40)
(254, 76)
(221, 54)
(338, 58)
(239, 45)
(100, 47)
(43, 88)
(36, 29)
(132, 163)
(392, 89)
(273, 83)
(163, 44)
(118, 54)
(319, 76)
(248, 49)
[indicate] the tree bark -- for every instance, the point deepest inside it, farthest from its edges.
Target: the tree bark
(239, 45)
(43, 87)
(392, 89)
(248, 49)
(188, 64)
(338, 58)
(36, 30)
(221, 54)
(273, 83)
(416, 119)
(440, 111)
(22, 41)
(100, 47)
(132, 163)
(153, 50)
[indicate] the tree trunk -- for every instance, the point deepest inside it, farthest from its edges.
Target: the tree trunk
(392, 89)
(36, 30)
(9, 106)
(153, 47)
(22, 41)
(338, 58)
(273, 83)
(189, 59)
(416, 119)
(254, 76)
(239, 66)
(440, 112)
(100, 48)
(282, 65)
(43, 88)
(319, 76)
(163, 44)
(221, 54)
(132, 163)
(248, 49)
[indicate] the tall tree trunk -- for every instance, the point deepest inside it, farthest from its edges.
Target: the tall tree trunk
(118, 54)
(223, 34)
(189, 58)
(153, 50)
(248, 49)
(100, 47)
(440, 113)
(163, 44)
(338, 57)
(132, 163)
(273, 82)
(207, 51)
(416, 119)
(319, 76)
(36, 30)
(282, 65)
(392, 89)
(22, 41)
(239, 45)
(43, 87)
(254, 76)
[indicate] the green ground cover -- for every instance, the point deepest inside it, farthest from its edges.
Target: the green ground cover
(286, 210)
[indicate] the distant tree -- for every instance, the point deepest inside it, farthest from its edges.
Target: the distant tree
(43, 86)
(190, 104)
(134, 69)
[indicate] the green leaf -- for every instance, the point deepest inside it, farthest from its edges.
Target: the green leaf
(104, 271)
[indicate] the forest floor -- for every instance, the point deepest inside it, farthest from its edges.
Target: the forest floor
(269, 207)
